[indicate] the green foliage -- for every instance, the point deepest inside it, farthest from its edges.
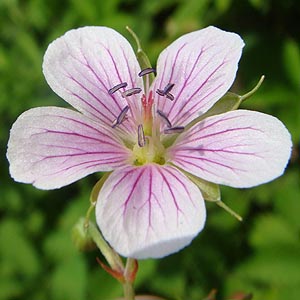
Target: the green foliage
(260, 255)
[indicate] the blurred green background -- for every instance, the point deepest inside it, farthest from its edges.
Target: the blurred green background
(260, 255)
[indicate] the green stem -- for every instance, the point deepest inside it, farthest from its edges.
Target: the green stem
(128, 290)
(110, 255)
(129, 275)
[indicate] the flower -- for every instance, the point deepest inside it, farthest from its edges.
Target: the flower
(144, 133)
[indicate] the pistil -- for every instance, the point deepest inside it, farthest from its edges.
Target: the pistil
(148, 147)
(147, 103)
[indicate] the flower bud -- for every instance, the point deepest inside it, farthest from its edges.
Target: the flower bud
(81, 237)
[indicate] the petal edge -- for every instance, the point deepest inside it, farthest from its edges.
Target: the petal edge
(51, 147)
(239, 148)
(149, 211)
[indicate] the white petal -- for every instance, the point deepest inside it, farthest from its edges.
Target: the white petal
(238, 148)
(82, 65)
(149, 211)
(52, 147)
(202, 65)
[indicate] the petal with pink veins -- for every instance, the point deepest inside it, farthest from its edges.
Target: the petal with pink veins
(52, 147)
(238, 148)
(85, 63)
(202, 65)
(149, 211)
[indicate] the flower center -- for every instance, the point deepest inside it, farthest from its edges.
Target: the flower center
(148, 147)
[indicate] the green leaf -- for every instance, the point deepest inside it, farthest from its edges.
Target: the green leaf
(58, 246)
(222, 5)
(291, 60)
(174, 284)
(9, 288)
(262, 5)
(278, 266)
(271, 230)
(286, 198)
(17, 253)
(69, 280)
(102, 286)
(147, 270)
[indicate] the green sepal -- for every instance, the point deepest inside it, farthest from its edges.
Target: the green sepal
(230, 101)
(97, 187)
(229, 210)
(210, 191)
(141, 56)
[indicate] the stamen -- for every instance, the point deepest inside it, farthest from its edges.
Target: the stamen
(117, 87)
(141, 136)
(160, 92)
(121, 117)
(168, 88)
(164, 117)
(131, 92)
(170, 96)
(166, 91)
(176, 129)
(147, 71)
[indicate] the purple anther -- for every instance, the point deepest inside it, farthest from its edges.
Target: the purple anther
(121, 117)
(170, 96)
(168, 88)
(147, 71)
(117, 87)
(160, 92)
(164, 117)
(176, 129)
(141, 136)
(131, 92)
(166, 91)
